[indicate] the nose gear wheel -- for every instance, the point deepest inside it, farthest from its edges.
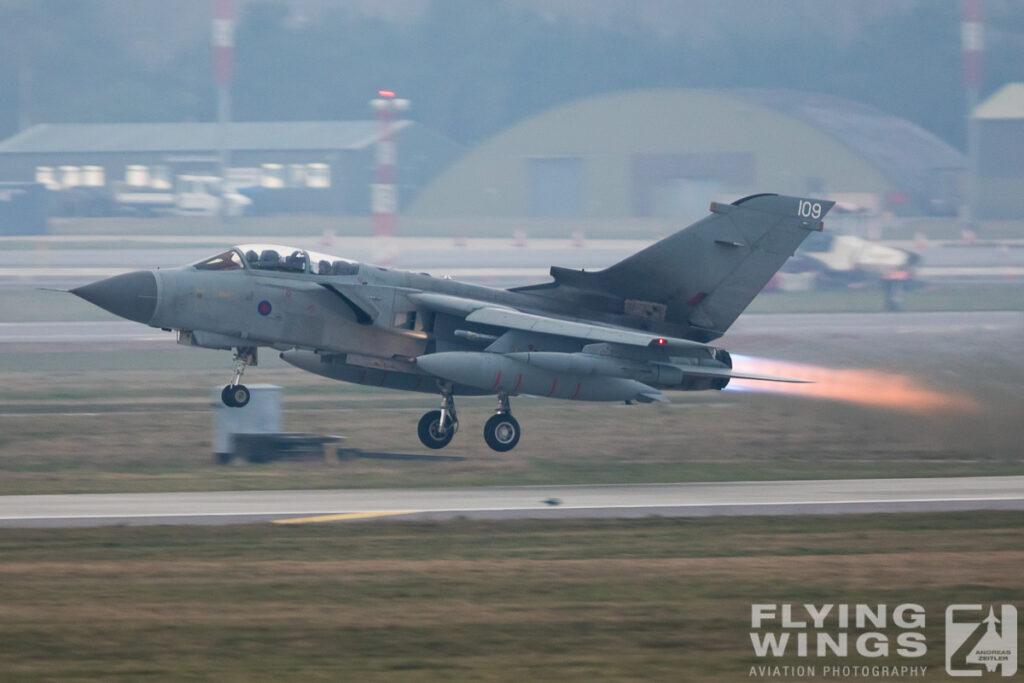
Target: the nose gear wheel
(235, 394)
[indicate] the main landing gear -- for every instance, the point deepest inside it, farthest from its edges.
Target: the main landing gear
(236, 395)
(501, 431)
(436, 428)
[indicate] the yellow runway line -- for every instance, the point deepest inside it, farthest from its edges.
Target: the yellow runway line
(344, 516)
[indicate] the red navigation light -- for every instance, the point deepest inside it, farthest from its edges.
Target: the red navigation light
(660, 341)
(386, 93)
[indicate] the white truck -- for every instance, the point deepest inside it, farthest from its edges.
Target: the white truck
(192, 195)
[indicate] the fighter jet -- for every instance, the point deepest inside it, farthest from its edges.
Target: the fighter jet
(625, 333)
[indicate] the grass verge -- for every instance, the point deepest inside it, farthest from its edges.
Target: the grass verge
(647, 599)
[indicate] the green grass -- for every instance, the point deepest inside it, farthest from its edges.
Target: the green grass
(92, 444)
(647, 599)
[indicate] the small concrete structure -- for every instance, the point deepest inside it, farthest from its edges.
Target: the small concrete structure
(254, 431)
(262, 415)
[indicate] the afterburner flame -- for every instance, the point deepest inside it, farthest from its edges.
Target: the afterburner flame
(864, 387)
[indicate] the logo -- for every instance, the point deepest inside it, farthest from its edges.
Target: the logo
(823, 637)
(980, 640)
(264, 308)
(811, 641)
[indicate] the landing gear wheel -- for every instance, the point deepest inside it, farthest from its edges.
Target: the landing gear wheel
(235, 396)
(502, 432)
(432, 434)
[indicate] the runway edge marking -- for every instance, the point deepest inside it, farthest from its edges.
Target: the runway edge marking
(344, 516)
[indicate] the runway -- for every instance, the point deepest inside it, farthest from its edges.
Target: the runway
(519, 502)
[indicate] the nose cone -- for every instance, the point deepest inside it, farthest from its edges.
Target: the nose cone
(132, 295)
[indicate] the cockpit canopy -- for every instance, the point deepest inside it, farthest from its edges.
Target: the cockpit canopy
(278, 258)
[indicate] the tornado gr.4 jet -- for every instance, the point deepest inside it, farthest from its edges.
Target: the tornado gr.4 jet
(625, 333)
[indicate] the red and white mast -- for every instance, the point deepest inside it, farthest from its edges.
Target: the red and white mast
(222, 40)
(973, 37)
(384, 192)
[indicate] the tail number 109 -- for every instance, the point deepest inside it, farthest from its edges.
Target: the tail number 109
(806, 209)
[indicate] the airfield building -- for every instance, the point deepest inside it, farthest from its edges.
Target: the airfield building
(664, 153)
(1000, 126)
(328, 164)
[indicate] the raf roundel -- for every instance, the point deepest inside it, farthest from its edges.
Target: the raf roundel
(264, 308)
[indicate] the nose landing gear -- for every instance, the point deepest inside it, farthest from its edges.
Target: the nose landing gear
(236, 395)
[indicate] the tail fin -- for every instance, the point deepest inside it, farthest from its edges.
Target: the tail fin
(706, 274)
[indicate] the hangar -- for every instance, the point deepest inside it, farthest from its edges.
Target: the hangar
(1000, 126)
(336, 158)
(663, 153)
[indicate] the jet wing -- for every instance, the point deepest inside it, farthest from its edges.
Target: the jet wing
(453, 305)
(485, 313)
(527, 322)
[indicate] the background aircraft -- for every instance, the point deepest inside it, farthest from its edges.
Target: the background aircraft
(624, 333)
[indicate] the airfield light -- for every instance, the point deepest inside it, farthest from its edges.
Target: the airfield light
(386, 93)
